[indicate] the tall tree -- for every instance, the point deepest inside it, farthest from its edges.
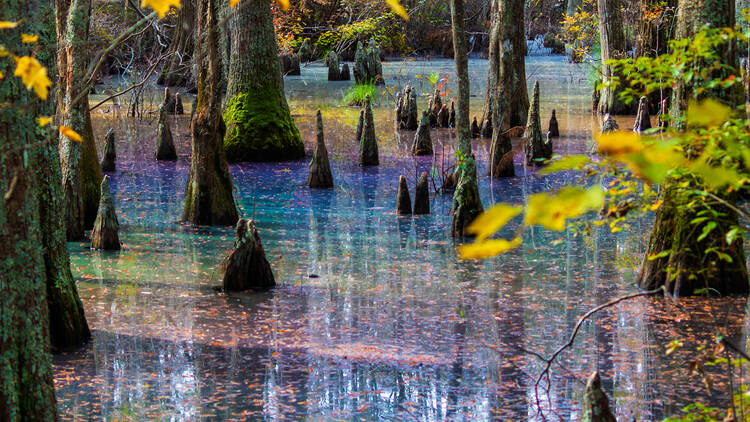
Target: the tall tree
(466, 202)
(25, 369)
(511, 76)
(208, 195)
(259, 124)
(81, 173)
(613, 46)
(176, 72)
(691, 261)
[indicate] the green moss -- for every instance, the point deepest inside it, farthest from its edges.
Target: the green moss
(260, 128)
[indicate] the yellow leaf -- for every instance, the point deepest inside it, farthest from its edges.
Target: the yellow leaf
(487, 248)
(70, 134)
(28, 38)
(707, 113)
(492, 220)
(233, 3)
(43, 121)
(1, 75)
(284, 4)
(616, 143)
(656, 205)
(552, 210)
(397, 8)
(161, 7)
(8, 25)
(33, 75)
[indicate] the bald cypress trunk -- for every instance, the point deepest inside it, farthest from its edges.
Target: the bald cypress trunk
(492, 70)
(177, 70)
(466, 202)
(613, 46)
(259, 124)
(81, 173)
(512, 49)
(25, 370)
(687, 266)
(208, 195)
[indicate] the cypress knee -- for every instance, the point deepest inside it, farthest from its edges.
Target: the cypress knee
(554, 130)
(475, 131)
(368, 144)
(164, 143)
(443, 116)
(104, 236)
(534, 143)
(412, 120)
(642, 119)
(422, 140)
(178, 107)
(360, 124)
(609, 124)
(422, 195)
(595, 402)
(109, 156)
(403, 202)
(452, 119)
(320, 169)
(248, 268)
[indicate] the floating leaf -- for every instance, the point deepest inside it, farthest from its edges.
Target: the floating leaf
(28, 38)
(33, 75)
(487, 248)
(43, 121)
(70, 134)
(492, 220)
(396, 7)
(161, 7)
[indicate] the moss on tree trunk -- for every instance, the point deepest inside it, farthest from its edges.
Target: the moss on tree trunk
(259, 124)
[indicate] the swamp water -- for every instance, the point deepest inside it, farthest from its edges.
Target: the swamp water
(374, 318)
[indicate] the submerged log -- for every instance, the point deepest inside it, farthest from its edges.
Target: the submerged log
(164, 143)
(248, 268)
(104, 236)
(320, 169)
(536, 151)
(403, 202)
(642, 119)
(475, 131)
(109, 156)
(595, 402)
(368, 144)
(422, 195)
(609, 124)
(422, 141)
(553, 129)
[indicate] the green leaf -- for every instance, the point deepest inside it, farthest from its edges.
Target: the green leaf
(707, 229)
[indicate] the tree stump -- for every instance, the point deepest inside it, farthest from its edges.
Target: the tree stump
(422, 141)
(609, 124)
(642, 119)
(164, 143)
(501, 156)
(104, 236)
(475, 131)
(595, 402)
(534, 143)
(320, 168)
(109, 156)
(422, 195)
(247, 267)
(553, 129)
(368, 144)
(403, 202)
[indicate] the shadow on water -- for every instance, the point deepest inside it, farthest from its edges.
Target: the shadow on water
(374, 318)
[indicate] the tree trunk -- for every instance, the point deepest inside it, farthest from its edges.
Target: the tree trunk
(687, 266)
(208, 195)
(512, 73)
(81, 173)
(613, 46)
(492, 71)
(466, 202)
(177, 70)
(259, 124)
(653, 39)
(25, 369)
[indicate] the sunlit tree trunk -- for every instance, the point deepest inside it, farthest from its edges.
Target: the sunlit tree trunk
(492, 68)
(208, 195)
(512, 61)
(27, 392)
(81, 173)
(613, 46)
(259, 124)
(177, 70)
(689, 264)
(466, 202)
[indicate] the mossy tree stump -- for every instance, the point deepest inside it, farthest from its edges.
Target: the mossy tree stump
(595, 402)
(422, 144)
(165, 149)
(247, 267)
(320, 168)
(105, 235)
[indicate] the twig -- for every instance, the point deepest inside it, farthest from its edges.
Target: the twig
(134, 86)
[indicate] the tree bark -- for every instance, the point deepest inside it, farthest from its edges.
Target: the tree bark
(25, 369)
(208, 195)
(512, 72)
(613, 46)
(177, 70)
(259, 124)
(687, 266)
